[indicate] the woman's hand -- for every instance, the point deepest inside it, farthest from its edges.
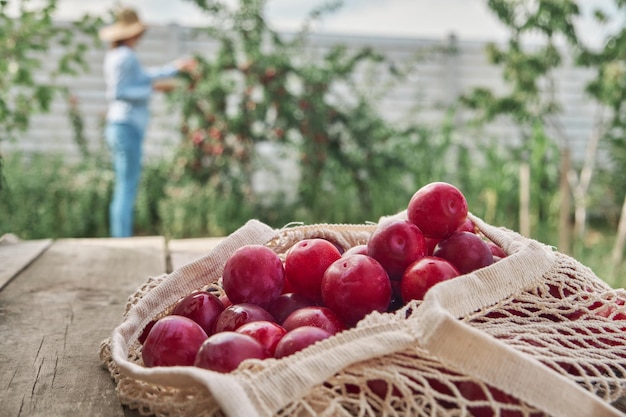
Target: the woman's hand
(165, 86)
(186, 64)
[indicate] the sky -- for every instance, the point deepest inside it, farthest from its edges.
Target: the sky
(468, 19)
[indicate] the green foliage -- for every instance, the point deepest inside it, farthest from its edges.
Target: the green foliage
(44, 197)
(352, 165)
(49, 197)
(608, 87)
(193, 209)
(24, 40)
(543, 159)
(154, 179)
(526, 69)
(548, 17)
(261, 88)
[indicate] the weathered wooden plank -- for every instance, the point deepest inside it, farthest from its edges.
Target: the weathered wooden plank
(54, 316)
(16, 254)
(183, 251)
(620, 404)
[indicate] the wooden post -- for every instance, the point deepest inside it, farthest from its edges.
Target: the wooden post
(564, 214)
(618, 249)
(524, 199)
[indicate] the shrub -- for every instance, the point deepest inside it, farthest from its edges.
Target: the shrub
(44, 197)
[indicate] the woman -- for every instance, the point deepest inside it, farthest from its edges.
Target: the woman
(129, 87)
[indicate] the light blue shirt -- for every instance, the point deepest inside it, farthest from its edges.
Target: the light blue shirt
(129, 86)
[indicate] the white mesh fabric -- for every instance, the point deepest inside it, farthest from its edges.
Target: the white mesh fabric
(536, 312)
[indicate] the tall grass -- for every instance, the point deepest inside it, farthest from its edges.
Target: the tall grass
(45, 196)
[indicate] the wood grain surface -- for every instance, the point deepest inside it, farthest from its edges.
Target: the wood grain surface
(53, 317)
(18, 254)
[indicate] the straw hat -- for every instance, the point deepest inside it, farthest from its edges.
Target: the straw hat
(126, 26)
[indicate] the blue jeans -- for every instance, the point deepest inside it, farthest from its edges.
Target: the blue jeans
(125, 141)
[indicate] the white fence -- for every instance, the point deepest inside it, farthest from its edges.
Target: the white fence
(437, 82)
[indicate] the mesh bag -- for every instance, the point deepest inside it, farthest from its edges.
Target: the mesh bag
(534, 334)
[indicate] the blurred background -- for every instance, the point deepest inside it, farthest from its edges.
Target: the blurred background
(326, 112)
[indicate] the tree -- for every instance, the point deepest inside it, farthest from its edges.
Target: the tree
(25, 37)
(529, 68)
(609, 88)
(261, 87)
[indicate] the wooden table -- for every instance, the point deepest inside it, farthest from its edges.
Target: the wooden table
(58, 300)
